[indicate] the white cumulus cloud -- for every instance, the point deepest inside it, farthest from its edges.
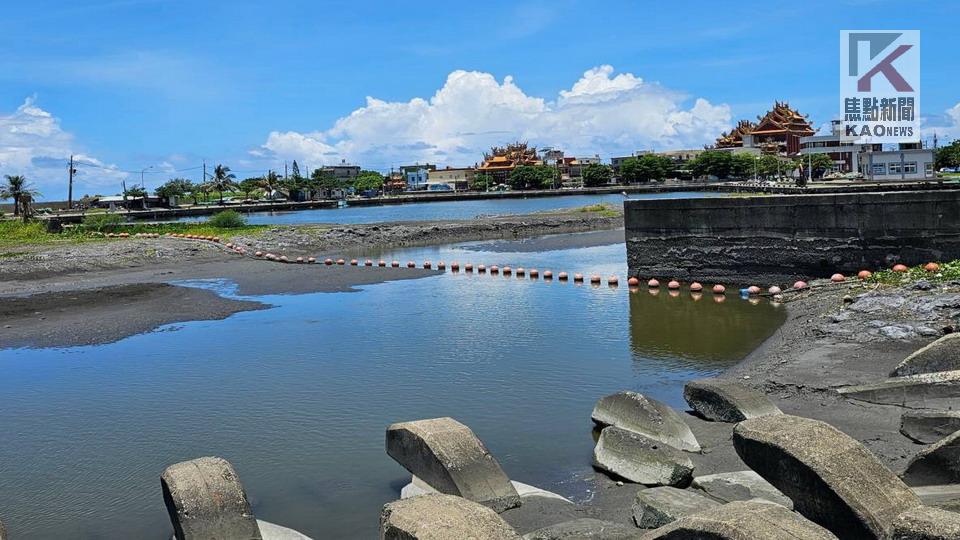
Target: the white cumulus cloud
(603, 112)
(33, 144)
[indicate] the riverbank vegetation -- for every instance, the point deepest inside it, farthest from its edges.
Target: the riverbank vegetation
(947, 272)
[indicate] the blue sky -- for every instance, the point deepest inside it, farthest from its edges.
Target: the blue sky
(165, 84)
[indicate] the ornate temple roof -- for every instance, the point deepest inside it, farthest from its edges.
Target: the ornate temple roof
(509, 157)
(779, 120)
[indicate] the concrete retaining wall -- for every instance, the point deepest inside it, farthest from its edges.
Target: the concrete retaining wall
(780, 238)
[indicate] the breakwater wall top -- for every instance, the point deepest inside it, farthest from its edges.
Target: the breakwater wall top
(790, 236)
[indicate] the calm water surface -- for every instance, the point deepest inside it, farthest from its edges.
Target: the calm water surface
(445, 210)
(298, 396)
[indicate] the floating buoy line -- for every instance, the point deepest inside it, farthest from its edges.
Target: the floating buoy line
(696, 288)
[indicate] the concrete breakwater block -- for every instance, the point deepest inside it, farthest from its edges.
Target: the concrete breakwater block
(649, 417)
(832, 479)
(926, 523)
(726, 400)
(742, 520)
(3, 531)
(655, 507)
(928, 427)
(640, 459)
(448, 456)
(909, 391)
(272, 531)
(941, 355)
(946, 496)
(205, 500)
(936, 464)
(584, 529)
(740, 486)
(442, 517)
(419, 487)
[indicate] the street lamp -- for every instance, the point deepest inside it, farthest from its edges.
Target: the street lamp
(145, 169)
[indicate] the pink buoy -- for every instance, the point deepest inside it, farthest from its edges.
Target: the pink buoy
(521, 271)
(469, 268)
(562, 276)
(674, 284)
(838, 278)
(800, 285)
(354, 262)
(494, 269)
(578, 277)
(341, 262)
(594, 279)
(931, 267)
(696, 287)
(395, 264)
(864, 274)
(507, 270)
(455, 266)
(753, 289)
(427, 265)
(653, 284)
(300, 260)
(368, 262)
(328, 262)
(258, 254)
(534, 273)
(441, 265)
(381, 263)
(776, 290)
(311, 260)
(633, 282)
(900, 268)
(411, 264)
(613, 281)
(719, 289)
(283, 258)
(547, 274)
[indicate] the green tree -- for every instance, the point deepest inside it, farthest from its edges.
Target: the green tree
(249, 185)
(481, 182)
(645, 168)
(596, 174)
(295, 170)
(743, 165)
(18, 189)
(769, 166)
(175, 187)
(222, 180)
(368, 180)
(948, 156)
(532, 177)
(712, 163)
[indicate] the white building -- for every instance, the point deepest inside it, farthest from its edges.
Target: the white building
(898, 165)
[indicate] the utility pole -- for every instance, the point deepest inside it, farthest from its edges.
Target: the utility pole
(70, 186)
(204, 179)
(284, 170)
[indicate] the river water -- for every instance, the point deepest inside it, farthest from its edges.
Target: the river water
(298, 397)
(446, 210)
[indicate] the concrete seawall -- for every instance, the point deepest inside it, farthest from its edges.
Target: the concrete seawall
(786, 237)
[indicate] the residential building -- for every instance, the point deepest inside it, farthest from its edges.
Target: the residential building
(842, 149)
(417, 175)
(454, 178)
(343, 171)
(616, 162)
(898, 165)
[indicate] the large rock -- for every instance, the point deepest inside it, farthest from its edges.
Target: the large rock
(939, 463)
(941, 355)
(646, 416)
(929, 426)
(911, 391)
(584, 529)
(442, 517)
(641, 459)
(926, 523)
(726, 400)
(742, 520)
(206, 501)
(449, 457)
(655, 507)
(831, 478)
(740, 486)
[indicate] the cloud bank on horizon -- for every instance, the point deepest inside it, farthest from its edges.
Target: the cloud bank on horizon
(602, 112)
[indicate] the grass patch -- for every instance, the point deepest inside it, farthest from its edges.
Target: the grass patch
(949, 271)
(17, 233)
(603, 209)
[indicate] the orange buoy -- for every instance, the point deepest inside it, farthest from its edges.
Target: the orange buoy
(653, 284)
(674, 284)
(427, 265)
(494, 269)
(258, 254)
(931, 267)
(368, 262)
(776, 290)
(455, 266)
(534, 273)
(900, 268)
(395, 264)
(719, 289)
(441, 265)
(800, 285)
(311, 260)
(838, 278)
(696, 287)
(507, 271)
(354, 262)
(753, 289)
(469, 267)
(562, 276)
(864, 274)
(633, 282)
(521, 272)
(578, 277)
(547, 274)
(613, 281)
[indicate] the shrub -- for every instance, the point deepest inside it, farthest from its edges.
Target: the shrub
(102, 222)
(228, 219)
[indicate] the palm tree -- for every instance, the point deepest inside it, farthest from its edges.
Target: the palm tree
(20, 191)
(222, 180)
